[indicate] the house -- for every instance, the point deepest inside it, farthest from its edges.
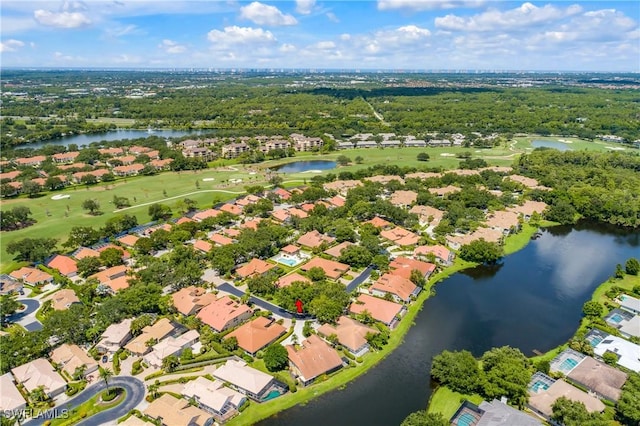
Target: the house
(31, 276)
(152, 333)
(115, 336)
(172, 411)
(254, 267)
(83, 252)
(313, 239)
(161, 164)
(129, 170)
(282, 193)
(390, 144)
(337, 201)
(442, 254)
(464, 172)
(214, 397)
(114, 152)
(415, 143)
(332, 270)
(246, 380)
(384, 179)
(125, 160)
(257, 334)
(494, 413)
(599, 377)
(71, 357)
(527, 182)
(128, 240)
(342, 187)
(400, 236)
(276, 144)
(529, 207)
(63, 299)
(403, 266)
(77, 177)
(224, 313)
(125, 254)
(441, 192)
(313, 359)
(64, 264)
(10, 175)
(38, 373)
(115, 278)
(490, 235)
(626, 351)
(203, 246)
(439, 142)
(12, 400)
(505, 222)
(630, 304)
(400, 288)
(189, 300)
(232, 209)
(234, 149)
(367, 144)
(172, 345)
(204, 214)
(290, 250)
(345, 145)
(381, 310)
(247, 200)
(379, 222)
(302, 143)
(9, 285)
(351, 334)
(335, 251)
(542, 397)
(199, 152)
(427, 215)
(287, 280)
(30, 161)
(65, 157)
(403, 198)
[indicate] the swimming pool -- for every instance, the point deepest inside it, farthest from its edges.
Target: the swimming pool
(617, 318)
(568, 364)
(466, 419)
(538, 385)
(289, 261)
(271, 395)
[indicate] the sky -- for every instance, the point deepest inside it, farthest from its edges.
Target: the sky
(584, 35)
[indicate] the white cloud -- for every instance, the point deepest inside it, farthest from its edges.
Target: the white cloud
(235, 35)
(11, 45)
(286, 48)
(324, 45)
(495, 20)
(61, 19)
(304, 7)
(172, 47)
(420, 5)
(263, 14)
(332, 17)
(121, 31)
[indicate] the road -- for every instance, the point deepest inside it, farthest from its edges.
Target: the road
(135, 394)
(359, 279)
(27, 317)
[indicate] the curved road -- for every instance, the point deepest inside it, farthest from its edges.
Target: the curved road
(26, 317)
(135, 394)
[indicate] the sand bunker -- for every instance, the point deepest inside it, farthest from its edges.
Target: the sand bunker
(235, 180)
(60, 197)
(208, 179)
(447, 154)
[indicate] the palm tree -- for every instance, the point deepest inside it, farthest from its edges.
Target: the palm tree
(153, 389)
(106, 374)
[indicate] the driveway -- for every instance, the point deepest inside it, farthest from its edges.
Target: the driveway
(27, 317)
(359, 279)
(277, 310)
(135, 394)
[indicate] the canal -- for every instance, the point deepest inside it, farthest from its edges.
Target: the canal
(532, 300)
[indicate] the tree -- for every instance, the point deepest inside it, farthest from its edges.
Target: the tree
(418, 278)
(573, 413)
(230, 344)
(159, 211)
(141, 322)
(92, 206)
(610, 358)
(170, 363)
(38, 395)
(106, 374)
(262, 284)
(423, 156)
(316, 274)
(359, 159)
(422, 418)
(325, 308)
(154, 388)
(592, 309)
(32, 249)
(89, 179)
(111, 256)
(632, 266)
(276, 357)
(121, 202)
(343, 160)
(88, 266)
(8, 306)
(377, 340)
(481, 251)
(507, 373)
(31, 188)
(457, 370)
(355, 256)
(82, 236)
(629, 402)
(619, 274)
(276, 180)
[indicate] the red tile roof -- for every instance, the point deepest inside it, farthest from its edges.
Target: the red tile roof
(223, 312)
(66, 265)
(333, 270)
(314, 358)
(380, 309)
(255, 266)
(257, 334)
(403, 266)
(287, 280)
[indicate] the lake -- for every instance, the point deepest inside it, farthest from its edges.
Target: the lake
(306, 166)
(112, 135)
(533, 300)
(560, 146)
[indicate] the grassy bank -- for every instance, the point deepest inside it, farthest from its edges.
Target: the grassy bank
(88, 409)
(446, 402)
(339, 381)
(516, 242)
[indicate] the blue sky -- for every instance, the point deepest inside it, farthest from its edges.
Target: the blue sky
(375, 34)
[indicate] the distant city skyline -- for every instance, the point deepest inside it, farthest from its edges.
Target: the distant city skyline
(409, 35)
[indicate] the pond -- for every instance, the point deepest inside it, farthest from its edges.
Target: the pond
(306, 166)
(113, 135)
(559, 145)
(533, 300)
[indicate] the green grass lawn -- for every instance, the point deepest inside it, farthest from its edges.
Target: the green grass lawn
(575, 144)
(446, 402)
(88, 409)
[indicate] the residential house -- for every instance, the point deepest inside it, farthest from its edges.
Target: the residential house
(114, 152)
(400, 236)
(384, 179)
(125, 160)
(114, 337)
(203, 246)
(336, 201)
(464, 172)
(335, 251)
(332, 269)
(31, 276)
(427, 215)
(346, 145)
(172, 411)
(9, 285)
(83, 252)
(220, 240)
(527, 182)
(214, 397)
(400, 288)
(99, 173)
(140, 345)
(257, 334)
(415, 143)
(313, 239)
(234, 149)
(12, 400)
(161, 164)
(541, 398)
(390, 144)
(231, 208)
(276, 144)
(441, 192)
(63, 299)
(246, 380)
(439, 142)
(282, 193)
(115, 278)
(128, 240)
(403, 266)
(254, 267)
(598, 377)
(287, 280)
(204, 214)
(37, 373)
(200, 152)
(224, 313)
(403, 198)
(366, 144)
(490, 235)
(172, 345)
(64, 264)
(342, 187)
(189, 300)
(442, 254)
(137, 150)
(71, 357)
(303, 143)
(65, 157)
(247, 200)
(35, 161)
(630, 304)
(626, 351)
(379, 223)
(529, 207)
(312, 359)
(130, 170)
(381, 310)
(494, 413)
(250, 224)
(10, 175)
(351, 334)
